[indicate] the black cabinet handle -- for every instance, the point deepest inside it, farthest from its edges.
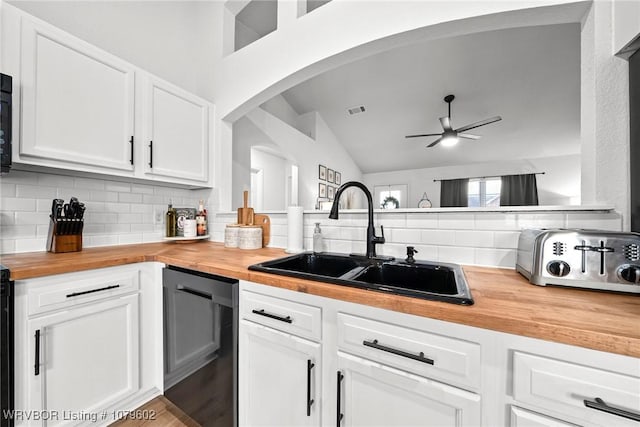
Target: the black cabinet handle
(600, 405)
(36, 367)
(151, 154)
(272, 316)
(310, 366)
(419, 357)
(131, 142)
(339, 414)
(106, 288)
(195, 292)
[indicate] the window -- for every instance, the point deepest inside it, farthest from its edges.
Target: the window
(484, 192)
(391, 194)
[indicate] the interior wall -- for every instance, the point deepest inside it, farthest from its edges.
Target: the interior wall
(175, 40)
(307, 153)
(560, 185)
(274, 178)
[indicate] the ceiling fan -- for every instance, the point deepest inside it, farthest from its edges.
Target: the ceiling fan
(451, 136)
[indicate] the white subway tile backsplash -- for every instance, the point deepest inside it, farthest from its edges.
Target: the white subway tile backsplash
(30, 245)
(456, 221)
(405, 235)
(24, 218)
(117, 212)
(19, 205)
(542, 220)
(130, 198)
(496, 257)
(506, 239)
(610, 221)
(390, 220)
(92, 184)
(422, 220)
(456, 255)
(7, 189)
(119, 187)
(481, 239)
(496, 221)
(438, 237)
(425, 253)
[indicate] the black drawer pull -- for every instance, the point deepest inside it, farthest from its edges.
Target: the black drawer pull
(600, 405)
(36, 367)
(151, 154)
(131, 142)
(106, 288)
(419, 357)
(272, 316)
(310, 366)
(195, 292)
(339, 414)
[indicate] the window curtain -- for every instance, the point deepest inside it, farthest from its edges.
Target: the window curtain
(519, 190)
(454, 193)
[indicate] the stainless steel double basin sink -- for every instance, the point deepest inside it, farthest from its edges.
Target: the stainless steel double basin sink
(419, 279)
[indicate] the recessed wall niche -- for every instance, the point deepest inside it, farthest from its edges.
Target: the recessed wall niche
(254, 21)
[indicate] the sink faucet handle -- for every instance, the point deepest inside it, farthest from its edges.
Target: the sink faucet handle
(379, 239)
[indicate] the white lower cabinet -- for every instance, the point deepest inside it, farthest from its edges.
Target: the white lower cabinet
(386, 368)
(84, 359)
(278, 378)
(372, 394)
(88, 345)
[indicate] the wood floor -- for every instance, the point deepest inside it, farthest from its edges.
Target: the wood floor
(206, 395)
(165, 414)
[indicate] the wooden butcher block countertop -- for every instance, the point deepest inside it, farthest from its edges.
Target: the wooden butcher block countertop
(504, 300)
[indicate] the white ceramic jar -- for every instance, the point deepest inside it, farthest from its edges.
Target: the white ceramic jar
(231, 235)
(250, 237)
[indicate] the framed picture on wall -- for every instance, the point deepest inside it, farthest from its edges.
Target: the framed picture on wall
(338, 178)
(322, 172)
(330, 175)
(330, 192)
(322, 190)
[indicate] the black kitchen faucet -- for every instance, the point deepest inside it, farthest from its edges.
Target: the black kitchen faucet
(372, 239)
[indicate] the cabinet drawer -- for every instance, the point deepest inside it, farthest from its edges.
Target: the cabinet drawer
(523, 418)
(67, 290)
(287, 316)
(567, 388)
(448, 359)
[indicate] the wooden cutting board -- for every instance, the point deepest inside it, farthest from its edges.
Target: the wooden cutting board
(245, 213)
(265, 222)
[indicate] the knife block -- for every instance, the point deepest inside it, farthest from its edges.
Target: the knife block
(58, 242)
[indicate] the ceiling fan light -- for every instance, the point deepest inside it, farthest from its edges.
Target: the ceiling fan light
(449, 140)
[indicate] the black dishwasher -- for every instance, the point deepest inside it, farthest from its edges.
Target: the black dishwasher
(200, 345)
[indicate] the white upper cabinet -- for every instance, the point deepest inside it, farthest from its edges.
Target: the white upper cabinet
(176, 132)
(82, 109)
(77, 101)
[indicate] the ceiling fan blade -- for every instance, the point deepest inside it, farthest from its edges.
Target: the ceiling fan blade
(480, 123)
(436, 142)
(446, 123)
(424, 134)
(468, 136)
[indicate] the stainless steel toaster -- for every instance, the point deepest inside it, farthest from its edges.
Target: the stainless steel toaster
(591, 259)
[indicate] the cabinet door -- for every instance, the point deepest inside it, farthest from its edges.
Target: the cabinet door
(278, 378)
(77, 102)
(84, 359)
(177, 133)
(371, 394)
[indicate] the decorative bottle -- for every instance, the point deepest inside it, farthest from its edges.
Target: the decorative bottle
(170, 221)
(318, 239)
(201, 219)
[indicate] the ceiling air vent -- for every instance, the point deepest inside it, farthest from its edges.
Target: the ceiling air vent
(356, 110)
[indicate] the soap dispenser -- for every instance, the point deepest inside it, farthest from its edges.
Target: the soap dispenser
(318, 240)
